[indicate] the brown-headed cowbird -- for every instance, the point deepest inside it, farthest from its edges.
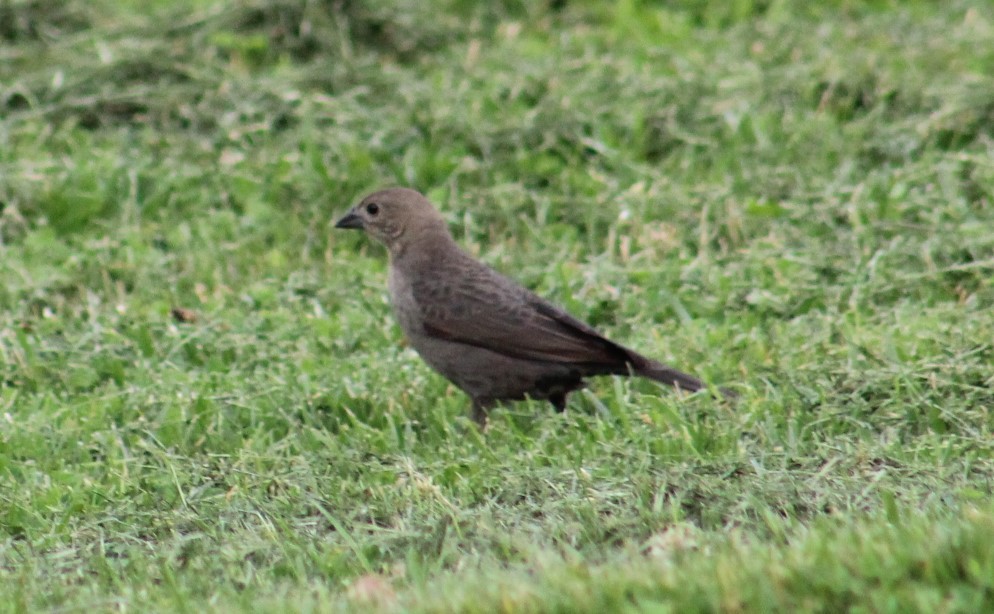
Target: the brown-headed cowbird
(488, 335)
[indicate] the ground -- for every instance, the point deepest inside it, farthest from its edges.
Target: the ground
(205, 404)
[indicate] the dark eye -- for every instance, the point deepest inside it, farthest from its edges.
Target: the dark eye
(372, 208)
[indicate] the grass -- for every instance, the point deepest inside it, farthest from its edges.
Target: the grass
(792, 200)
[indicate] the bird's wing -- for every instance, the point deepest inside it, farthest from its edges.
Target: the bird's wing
(487, 310)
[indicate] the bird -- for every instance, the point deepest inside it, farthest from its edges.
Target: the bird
(491, 337)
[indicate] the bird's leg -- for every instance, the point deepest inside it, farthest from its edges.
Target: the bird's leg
(558, 401)
(481, 406)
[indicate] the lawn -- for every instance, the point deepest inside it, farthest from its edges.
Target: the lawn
(205, 403)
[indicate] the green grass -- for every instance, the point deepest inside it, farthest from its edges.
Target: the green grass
(793, 199)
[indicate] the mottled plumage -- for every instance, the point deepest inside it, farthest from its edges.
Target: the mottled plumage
(491, 337)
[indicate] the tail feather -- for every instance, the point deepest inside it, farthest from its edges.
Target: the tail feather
(667, 375)
(657, 371)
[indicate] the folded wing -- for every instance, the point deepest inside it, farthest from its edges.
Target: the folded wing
(490, 311)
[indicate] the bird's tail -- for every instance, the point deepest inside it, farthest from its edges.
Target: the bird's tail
(657, 371)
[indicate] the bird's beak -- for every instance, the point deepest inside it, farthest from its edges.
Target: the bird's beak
(349, 220)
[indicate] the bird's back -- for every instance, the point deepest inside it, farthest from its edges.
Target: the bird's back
(465, 301)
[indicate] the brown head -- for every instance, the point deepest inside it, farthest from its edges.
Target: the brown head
(396, 217)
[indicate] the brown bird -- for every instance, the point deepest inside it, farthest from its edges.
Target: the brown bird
(491, 337)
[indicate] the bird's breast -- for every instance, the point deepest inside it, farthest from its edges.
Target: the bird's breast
(405, 305)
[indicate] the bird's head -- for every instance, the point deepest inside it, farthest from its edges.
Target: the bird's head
(395, 217)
